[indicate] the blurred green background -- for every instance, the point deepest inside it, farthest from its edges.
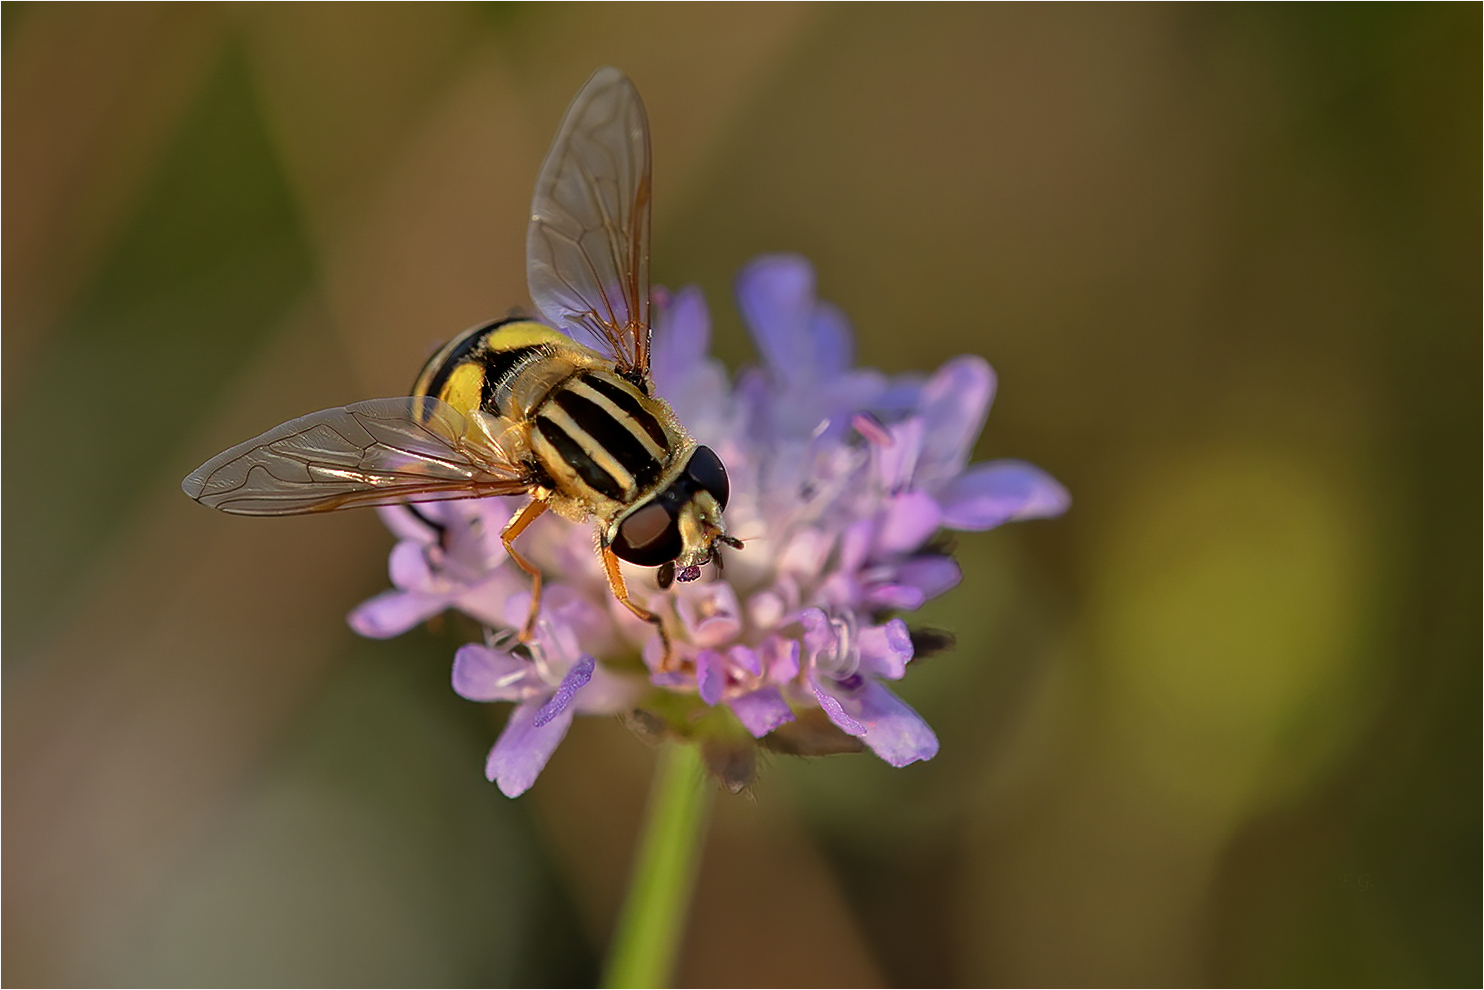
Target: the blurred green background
(1218, 725)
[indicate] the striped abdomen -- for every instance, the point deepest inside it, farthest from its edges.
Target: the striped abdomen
(596, 430)
(472, 370)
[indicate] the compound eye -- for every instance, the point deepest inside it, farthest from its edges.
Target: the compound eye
(648, 536)
(706, 470)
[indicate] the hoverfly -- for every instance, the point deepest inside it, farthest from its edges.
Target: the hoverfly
(517, 407)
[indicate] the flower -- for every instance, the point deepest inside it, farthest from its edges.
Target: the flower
(841, 477)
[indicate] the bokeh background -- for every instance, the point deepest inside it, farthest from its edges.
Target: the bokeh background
(1218, 725)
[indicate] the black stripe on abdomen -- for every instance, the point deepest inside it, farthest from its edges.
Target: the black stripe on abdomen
(614, 435)
(570, 451)
(455, 358)
(473, 340)
(629, 405)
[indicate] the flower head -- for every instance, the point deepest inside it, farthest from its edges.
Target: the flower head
(840, 479)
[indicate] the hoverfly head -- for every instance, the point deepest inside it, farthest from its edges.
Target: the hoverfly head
(678, 529)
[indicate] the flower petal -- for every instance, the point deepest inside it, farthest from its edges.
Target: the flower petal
(885, 650)
(836, 711)
(681, 340)
(392, 613)
(896, 461)
(989, 494)
(776, 295)
(578, 625)
(955, 403)
(483, 674)
(802, 339)
(488, 601)
(607, 693)
(710, 613)
(521, 752)
(761, 711)
(405, 524)
(834, 343)
(746, 658)
(576, 679)
(805, 552)
(781, 658)
(887, 724)
(901, 597)
(855, 545)
(407, 565)
(907, 522)
(820, 634)
(930, 574)
(711, 676)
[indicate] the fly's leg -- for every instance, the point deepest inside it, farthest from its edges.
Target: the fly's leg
(621, 592)
(516, 526)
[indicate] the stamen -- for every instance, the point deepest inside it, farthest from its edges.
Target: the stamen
(868, 426)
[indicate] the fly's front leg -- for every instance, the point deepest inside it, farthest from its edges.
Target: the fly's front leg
(621, 592)
(514, 528)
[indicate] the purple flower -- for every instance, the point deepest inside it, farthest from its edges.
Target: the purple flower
(840, 477)
(448, 555)
(549, 680)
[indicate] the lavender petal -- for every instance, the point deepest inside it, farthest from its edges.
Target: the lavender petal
(901, 597)
(819, 633)
(781, 658)
(607, 693)
(887, 724)
(932, 575)
(710, 613)
(407, 566)
(392, 613)
(907, 522)
(836, 711)
(745, 658)
(487, 601)
(834, 342)
(521, 752)
(896, 461)
(776, 295)
(575, 680)
(855, 545)
(405, 525)
(483, 674)
(955, 403)
(806, 551)
(885, 650)
(576, 625)
(897, 734)
(989, 494)
(711, 676)
(681, 341)
(761, 711)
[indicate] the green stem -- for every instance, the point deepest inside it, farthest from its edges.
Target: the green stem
(654, 913)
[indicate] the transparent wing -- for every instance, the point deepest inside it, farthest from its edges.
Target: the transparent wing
(413, 449)
(587, 248)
